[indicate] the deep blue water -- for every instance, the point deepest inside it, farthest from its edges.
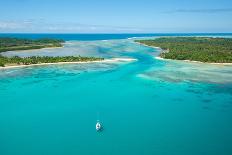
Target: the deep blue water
(86, 37)
(147, 107)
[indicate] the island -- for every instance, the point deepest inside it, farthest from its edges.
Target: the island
(14, 44)
(202, 49)
(19, 61)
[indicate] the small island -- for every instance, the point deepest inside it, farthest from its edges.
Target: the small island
(14, 44)
(18, 61)
(10, 44)
(202, 49)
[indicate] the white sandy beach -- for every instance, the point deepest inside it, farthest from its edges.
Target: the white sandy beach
(158, 48)
(112, 60)
(225, 64)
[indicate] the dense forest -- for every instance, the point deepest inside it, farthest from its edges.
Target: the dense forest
(7, 44)
(13, 61)
(204, 49)
(13, 44)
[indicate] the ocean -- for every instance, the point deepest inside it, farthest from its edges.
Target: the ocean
(92, 37)
(148, 106)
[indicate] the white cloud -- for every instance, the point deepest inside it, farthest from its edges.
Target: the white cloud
(41, 26)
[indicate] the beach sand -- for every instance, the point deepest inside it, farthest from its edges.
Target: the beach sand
(225, 64)
(112, 60)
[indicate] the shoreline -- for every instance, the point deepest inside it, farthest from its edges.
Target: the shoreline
(157, 48)
(32, 50)
(112, 60)
(190, 61)
(160, 58)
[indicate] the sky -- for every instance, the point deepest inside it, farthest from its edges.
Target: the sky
(115, 16)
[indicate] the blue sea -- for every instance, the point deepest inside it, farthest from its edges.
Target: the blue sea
(146, 107)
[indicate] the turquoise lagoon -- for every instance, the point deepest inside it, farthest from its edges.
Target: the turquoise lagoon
(149, 106)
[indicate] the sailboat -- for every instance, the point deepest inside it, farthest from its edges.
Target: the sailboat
(98, 126)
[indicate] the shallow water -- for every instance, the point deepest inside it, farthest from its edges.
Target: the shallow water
(146, 107)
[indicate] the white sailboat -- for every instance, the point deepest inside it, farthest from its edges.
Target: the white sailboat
(98, 126)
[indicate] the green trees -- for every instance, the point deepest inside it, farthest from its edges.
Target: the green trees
(2, 65)
(7, 44)
(37, 60)
(202, 49)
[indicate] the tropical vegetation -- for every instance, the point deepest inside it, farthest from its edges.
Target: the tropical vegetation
(13, 44)
(12, 61)
(203, 49)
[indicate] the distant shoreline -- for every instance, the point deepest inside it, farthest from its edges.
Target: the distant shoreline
(149, 46)
(19, 44)
(32, 50)
(210, 63)
(113, 60)
(160, 58)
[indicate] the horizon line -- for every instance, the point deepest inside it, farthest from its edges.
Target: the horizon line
(116, 33)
